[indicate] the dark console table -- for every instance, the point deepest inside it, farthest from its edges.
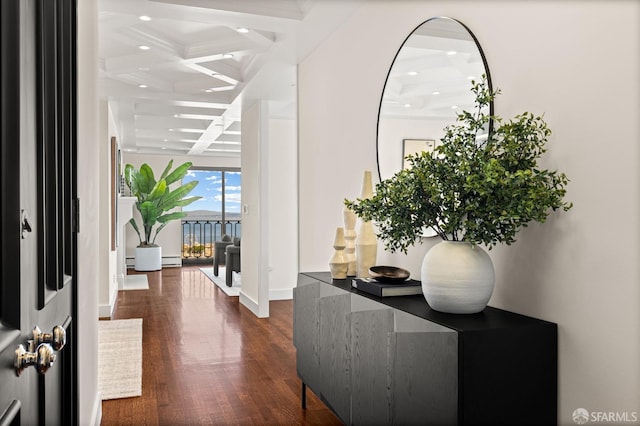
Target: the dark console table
(394, 360)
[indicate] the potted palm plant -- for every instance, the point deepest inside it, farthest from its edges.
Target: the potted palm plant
(470, 191)
(155, 200)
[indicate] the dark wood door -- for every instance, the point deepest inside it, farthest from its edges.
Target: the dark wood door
(38, 209)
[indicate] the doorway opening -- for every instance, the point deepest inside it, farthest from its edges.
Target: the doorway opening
(217, 213)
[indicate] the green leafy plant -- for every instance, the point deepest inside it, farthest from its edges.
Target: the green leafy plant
(469, 189)
(155, 199)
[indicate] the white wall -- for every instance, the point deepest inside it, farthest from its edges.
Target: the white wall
(577, 64)
(283, 209)
(269, 215)
(116, 258)
(255, 209)
(92, 214)
(107, 260)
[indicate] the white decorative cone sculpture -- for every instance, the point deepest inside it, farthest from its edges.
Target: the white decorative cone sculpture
(457, 277)
(338, 264)
(350, 220)
(366, 240)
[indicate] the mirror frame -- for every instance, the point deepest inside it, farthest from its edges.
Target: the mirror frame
(384, 87)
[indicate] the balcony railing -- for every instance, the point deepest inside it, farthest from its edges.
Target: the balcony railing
(198, 236)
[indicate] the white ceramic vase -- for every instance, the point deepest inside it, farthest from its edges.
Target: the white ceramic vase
(457, 277)
(148, 258)
(338, 264)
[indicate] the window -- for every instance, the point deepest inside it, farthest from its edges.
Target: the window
(215, 214)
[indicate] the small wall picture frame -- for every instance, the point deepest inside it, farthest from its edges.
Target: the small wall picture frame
(415, 146)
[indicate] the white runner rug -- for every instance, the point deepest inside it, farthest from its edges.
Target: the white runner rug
(136, 282)
(120, 358)
(234, 290)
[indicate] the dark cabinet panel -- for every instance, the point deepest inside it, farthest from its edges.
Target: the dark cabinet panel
(371, 366)
(335, 337)
(425, 376)
(306, 330)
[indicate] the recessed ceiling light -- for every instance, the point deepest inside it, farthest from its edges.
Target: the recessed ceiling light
(413, 73)
(407, 105)
(176, 115)
(144, 18)
(435, 92)
(142, 86)
(242, 30)
(471, 77)
(454, 107)
(143, 47)
(227, 56)
(208, 90)
(451, 52)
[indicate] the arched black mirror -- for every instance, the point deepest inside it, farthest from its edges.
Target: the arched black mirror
(429, 82)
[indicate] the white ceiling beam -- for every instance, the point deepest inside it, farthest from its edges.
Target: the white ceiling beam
(288, 9)
(154, 40)
(223, 39)
(151, 82)
(132, 62)
(232, 78)
(199, 84)
(150, 121)
(117, 90)
(162, 109)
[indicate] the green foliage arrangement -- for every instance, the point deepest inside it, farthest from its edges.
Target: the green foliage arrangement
(155, 198)
(479, 191)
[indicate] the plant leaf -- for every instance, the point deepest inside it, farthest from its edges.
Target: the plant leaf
(178, 173)
(144, 179)
(171, 199)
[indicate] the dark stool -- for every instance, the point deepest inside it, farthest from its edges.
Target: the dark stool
(219, 252)
(232, 254)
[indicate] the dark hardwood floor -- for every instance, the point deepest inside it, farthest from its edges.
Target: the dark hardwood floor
(209, 360)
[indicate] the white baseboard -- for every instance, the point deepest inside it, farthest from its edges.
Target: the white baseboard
(105, 311)
(249, 303)
(170, 261)
(253, 306)
(282, 294)
(120, 280)
(96, 416)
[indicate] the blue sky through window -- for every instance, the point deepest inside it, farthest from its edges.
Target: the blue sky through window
(210, 189)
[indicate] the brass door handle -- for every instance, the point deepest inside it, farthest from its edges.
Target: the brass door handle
(57, 338)
(42, 359)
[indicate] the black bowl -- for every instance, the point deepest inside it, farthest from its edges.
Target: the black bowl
(388, 274)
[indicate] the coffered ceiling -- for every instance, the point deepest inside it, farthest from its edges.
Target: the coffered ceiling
(175, 72)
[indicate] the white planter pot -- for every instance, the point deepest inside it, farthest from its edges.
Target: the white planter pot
(148, 259)
(457, 277)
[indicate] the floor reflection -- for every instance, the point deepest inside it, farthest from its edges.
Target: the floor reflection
(209, 360)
